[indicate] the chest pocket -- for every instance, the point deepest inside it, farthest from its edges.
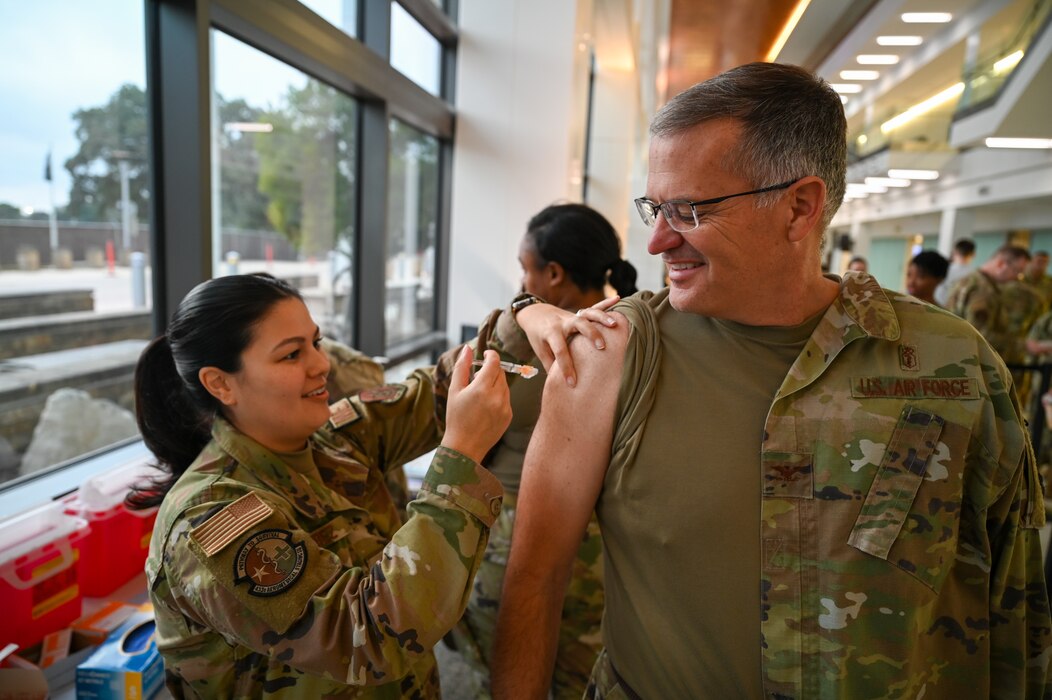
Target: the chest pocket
(891, 524)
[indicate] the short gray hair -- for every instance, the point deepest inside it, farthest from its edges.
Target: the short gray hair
(793, 125)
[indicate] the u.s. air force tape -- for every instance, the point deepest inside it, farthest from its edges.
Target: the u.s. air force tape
(959, 388)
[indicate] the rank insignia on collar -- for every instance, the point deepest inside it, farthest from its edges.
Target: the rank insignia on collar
(342, 413)
(908, 359)
(269, 562)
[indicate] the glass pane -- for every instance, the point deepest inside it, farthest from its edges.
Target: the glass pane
(284, 147)
(74, 239)
(414, 52)
(342, 14)
(412, 217)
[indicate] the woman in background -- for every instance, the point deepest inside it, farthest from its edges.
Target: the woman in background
(569, 255)
(925, 272)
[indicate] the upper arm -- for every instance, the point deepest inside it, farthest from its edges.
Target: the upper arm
(569, 452)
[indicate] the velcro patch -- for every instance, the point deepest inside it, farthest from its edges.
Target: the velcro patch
(224, 527)
(342, 413)
(269, 562)
(388, 393)
(959, 388)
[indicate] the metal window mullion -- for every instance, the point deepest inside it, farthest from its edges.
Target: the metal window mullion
(177, 48)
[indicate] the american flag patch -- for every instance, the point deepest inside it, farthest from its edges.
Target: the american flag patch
(223, 527)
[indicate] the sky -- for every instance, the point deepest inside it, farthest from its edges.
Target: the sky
(62, 55)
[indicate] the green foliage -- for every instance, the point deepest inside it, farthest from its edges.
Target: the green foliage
(108, 134)
(307, 167)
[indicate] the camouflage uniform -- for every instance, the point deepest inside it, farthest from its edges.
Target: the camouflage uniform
(351, 372)
(1021, 305)
(1043, 284)
(579, 628)
(899, 510)
(977, 299)
(281, 581)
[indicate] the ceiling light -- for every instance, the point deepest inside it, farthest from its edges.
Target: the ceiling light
(995, 142)
(787, 30)
(926, 17)
(846, 88)
(1008, 62)
(887, 181)
(854, 188)
(920, 108)
(914, 174)
(899, 40)
(877, 59)
(862, 138)
(859, 74)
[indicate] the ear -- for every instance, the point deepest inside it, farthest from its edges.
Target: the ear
(555, 273)
(218, 383)
(807, 199)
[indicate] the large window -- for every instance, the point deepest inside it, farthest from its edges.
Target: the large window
(286, 171)
(74, 238)
(412, 225)
(246, 146)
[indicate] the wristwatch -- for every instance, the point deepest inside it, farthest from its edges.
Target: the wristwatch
(523, 300)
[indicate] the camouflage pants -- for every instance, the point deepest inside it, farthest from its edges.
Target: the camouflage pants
(579, 634)
(605, 685)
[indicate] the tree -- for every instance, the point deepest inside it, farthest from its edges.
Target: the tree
(108, 134)
(307, 167)
(242, 205)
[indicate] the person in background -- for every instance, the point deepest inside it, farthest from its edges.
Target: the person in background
(979, 299)
(962, 262)
(858, 264)
(1036, 275)
(807, 487)
(279, 565)
(569, 255)
(925, 272)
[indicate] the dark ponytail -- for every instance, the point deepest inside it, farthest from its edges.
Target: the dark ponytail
(581, 240)
(211, 328)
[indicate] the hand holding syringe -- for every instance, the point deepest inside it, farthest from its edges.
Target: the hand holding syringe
(524, 371)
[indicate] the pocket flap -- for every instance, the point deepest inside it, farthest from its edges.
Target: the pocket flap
(898, 478)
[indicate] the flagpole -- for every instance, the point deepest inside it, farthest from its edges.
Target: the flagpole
(52, 218)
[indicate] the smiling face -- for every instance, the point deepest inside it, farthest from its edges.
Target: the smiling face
(730, 266)
(278, 397)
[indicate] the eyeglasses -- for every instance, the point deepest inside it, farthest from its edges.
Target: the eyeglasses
(682, 215)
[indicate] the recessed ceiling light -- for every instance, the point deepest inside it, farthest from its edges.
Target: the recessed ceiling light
(914, 174)
(998, 142)
(877, 59)
(926, 17)
(859, 74)
(899, 40)
(846, 88)
(1008, 62)
(888, 181)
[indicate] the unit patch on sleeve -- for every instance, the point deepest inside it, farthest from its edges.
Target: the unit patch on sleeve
(388, 393)
(269, 562)
(225, 526)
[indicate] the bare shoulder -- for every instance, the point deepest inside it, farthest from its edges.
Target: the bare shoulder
(598, 376)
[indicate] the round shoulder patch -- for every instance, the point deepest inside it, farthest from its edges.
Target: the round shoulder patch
(269, 562)
(389, 393)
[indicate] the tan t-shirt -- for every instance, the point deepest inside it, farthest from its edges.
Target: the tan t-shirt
(681, 522)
